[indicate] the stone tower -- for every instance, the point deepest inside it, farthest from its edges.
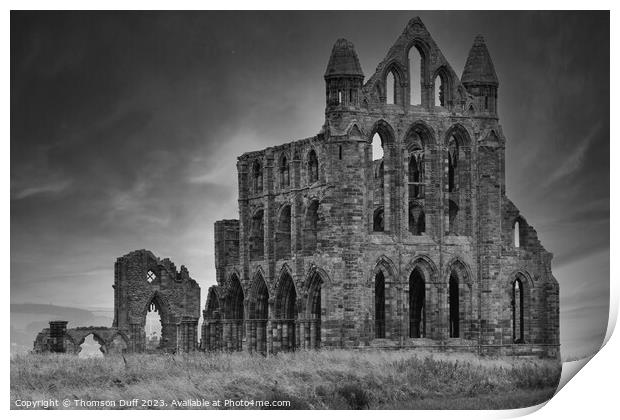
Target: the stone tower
(418, 248)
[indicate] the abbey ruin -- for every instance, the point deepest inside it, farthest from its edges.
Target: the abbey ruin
(336, 247)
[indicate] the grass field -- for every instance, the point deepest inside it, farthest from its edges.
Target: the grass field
(335, 379)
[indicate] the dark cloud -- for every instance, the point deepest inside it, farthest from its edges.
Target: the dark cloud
(125, 128)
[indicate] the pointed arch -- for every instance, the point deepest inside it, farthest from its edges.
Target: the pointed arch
(257, 177)
(257, 235)
(459, 283)
(316, 301)
(442, 84)
(395, 70)
(283, 232)
(212, 334)
(284, 171)
(519, 290)
(313, 166)
(258, 314)
(311, 226)
(286, 312)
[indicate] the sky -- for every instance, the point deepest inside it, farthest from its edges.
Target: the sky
(125, 129)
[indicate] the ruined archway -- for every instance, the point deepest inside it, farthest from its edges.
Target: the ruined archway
(234, 311)
(258, 315)
(285, 313)
(417, 304)
(311, 333)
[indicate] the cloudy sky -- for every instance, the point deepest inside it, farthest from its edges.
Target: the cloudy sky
(125, 130)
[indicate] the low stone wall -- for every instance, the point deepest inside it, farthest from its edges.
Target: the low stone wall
(111, 340)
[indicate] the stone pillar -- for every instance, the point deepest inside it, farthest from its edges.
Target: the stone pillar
(186, 334)
(58, 329)
(313, 334)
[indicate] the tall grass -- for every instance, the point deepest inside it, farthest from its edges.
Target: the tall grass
(308, 379)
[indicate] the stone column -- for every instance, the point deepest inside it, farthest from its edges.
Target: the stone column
(58, 329)
(186, 334)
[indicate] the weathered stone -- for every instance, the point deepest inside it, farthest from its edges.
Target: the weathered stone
(333, 249)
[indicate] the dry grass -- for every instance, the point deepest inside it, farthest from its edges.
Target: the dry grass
(313, 380)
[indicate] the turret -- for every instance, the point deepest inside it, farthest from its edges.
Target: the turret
(479, 77)
(343, 78)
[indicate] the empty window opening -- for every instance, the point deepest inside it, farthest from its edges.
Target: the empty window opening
(283, 234)
(377, 147)
(152, 328)
(517, 235)
(257, 236)
(340, 152)
(233, 306)
(417, 219)
(453, 155)
(439, 91)
(453, 211)
(91, 348)
(417, 305)
(340, 97)
(486, 102)
(150, 276)
(390, 88)
(517, 311)
(379, 305)
(313, 167)
(377, 220)
(258, 314)
(257, 176)
(286, 313)
(314, 301)
(311, 226)
(416, 175)
(454, 305)
(415, 76)
(285, 176)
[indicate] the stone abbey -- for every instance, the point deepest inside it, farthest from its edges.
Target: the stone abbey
(421, 247)
(338, 245)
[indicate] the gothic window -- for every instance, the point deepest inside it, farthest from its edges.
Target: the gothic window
(283, 233)
(379, 305)
(417, 219)
(310, 226)
(453, 155)
(377, 220)
(417, 298)
(416, 174)
(415, 76)
(453, 298)
(257, 236)
(516, 234)
(257, 177)
(517, 311)
(453, 211)
(390, 88)
(313, 167)
(285, 178)
(439, 91)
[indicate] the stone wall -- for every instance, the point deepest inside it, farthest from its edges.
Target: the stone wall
(310, 269)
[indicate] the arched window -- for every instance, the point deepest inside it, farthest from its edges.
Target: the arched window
(311, 226)
(439, 91)
(257, 236)
(453, 156)
(415, 76)
(517, 311)
(417, 219)
(285, 178)
(258, 314)
(286, 313)
(453, 211)
(516, 231)
(377, 147)
(153, 326)
(378, 220)
(313, 167)
(417, 304)
(283, 233)
(416, 174)
(257, 177)
(379, 305)
(390, 88)
(235, 312)
(453, 298)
